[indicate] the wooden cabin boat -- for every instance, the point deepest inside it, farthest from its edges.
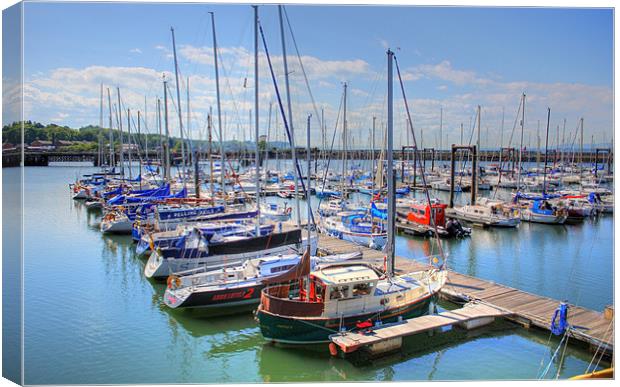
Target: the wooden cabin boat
(340, 297)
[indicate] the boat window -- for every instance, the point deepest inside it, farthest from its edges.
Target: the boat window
(338, 292)
(422, 212)
(281, 268)
(362, 289)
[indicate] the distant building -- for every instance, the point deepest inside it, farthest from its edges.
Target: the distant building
(262, 138)
(7, 146)
(41, 145)
(64, 143)
(127, 147)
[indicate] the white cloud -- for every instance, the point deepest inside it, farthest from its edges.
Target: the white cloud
(72, 95)
(135, 51)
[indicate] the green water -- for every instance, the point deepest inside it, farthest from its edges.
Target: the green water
(91, 317)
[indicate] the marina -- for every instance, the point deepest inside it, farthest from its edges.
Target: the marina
(235, 237)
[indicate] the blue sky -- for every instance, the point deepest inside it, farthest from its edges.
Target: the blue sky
(451, 58)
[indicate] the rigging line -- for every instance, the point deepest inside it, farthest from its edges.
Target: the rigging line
(599, 347)
(428, 197)
(275, 85)
(303, 70)
(331, 150)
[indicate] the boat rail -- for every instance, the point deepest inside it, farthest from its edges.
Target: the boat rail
(274, 299)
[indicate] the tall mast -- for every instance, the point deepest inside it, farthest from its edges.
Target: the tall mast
(372, 154)
(219, 109)
(129, 135)
(167, 143)
(344, 143)
(112, 163)
(120, 128)
(190, 146)
(546, 147)
(178, 87)
(475, 173)
(290, 113)
(521, 146)
(256, 118)
(538, 144)
(146, 135)
(390, 172)
(100, 147)
(581, 150)
(161, 139)
(210, 127)
(563, 142)
(139, 158)
(308, 200)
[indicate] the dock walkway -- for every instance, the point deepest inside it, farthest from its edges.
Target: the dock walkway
(478, 314)
(522, 307)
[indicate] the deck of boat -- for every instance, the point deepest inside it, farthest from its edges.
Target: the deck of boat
(525, 308)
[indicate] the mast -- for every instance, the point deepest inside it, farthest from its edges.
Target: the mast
(146, 135)
(290, 113)
(390, 172)
(372, 154)
(139, 158)
(538, 144)
(161, 140)
(308, 200)
(546, 146)
(563, 142)
(474, 182)
(112, 161)
(581, 150)
(120, 127)
(129, 135)
(219, 109)
(167, 143)
(191, 154)
(100, 147)
(210, 128)
(256, 118)
(178, 87)
(521, 146)
(344, 143)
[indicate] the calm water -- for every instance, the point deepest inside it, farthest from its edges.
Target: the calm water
(91, 316)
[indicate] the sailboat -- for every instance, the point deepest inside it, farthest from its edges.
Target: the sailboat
(354, 226)
(236, 289)
(340, 297)
(541, 210)
(487, 212)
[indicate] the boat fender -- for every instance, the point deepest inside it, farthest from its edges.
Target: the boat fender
(559, 327)
(333, 350)
(173, 282)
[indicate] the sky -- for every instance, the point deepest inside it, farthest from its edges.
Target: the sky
(452, 59)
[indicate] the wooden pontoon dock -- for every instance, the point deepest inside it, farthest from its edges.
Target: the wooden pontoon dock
(527, 309)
